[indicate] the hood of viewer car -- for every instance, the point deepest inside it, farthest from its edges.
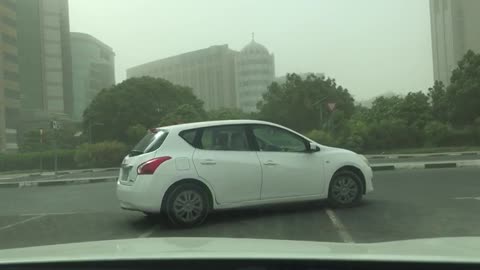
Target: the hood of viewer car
(459, 249)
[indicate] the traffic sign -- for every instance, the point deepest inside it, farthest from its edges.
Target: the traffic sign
(331, 106)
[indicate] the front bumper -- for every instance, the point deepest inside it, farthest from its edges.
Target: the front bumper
(368, 173)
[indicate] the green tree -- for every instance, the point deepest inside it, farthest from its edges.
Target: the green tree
(385, 108)
(439, 102)
(185, 113)
(436, 134)
(135, 133)
(145, 101)
(463, 93)
(322, 137)
(227, 113)
(415, 109)
(301, 104)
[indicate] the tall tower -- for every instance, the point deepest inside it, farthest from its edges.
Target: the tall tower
(9, 86)
(44, 60)
(455, 30)
(254, 72)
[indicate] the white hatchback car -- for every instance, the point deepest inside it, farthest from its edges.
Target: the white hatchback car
(185, 171)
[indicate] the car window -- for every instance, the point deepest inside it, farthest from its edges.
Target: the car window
(231, 138)
(150, 142)
(276, 139)
(189, 136)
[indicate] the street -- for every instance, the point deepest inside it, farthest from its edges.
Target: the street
(405, 204)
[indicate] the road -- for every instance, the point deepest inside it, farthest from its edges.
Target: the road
(405, 204)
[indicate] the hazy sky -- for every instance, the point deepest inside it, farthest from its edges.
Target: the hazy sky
(368, 46)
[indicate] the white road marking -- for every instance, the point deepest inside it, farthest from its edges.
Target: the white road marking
(341, 229)
(467, 198)
(21, 222)
(52, 214)
(147, 233)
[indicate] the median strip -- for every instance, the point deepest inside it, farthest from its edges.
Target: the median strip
(423, 165)
(55, 182)
(383, 168)
(440, 165)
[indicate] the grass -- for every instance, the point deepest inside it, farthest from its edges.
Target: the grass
(20, 171)
(426, 150)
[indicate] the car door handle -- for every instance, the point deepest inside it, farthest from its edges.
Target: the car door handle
(208, 162)
(269, 163)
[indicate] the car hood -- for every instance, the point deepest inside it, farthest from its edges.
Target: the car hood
(324, 148)
(462, 249)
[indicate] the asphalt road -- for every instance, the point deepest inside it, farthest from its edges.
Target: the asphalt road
(405, 204)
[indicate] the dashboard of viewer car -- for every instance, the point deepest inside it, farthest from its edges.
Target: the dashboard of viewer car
(183, 264)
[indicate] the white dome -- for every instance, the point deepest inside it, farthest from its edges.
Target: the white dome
(254, 48)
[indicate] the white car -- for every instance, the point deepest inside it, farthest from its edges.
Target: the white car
(185, 171)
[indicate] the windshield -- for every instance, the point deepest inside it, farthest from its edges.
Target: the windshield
(346, 121)
(150, 142)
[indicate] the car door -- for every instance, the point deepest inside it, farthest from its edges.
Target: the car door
(288, 169)
(225, 158)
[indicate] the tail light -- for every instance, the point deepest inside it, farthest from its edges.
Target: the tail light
(149, 167)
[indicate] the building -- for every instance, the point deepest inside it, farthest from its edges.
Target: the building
(254, 72)
(9, 86)
(209, 72)
(93, 69)
(44, 61)
(455, 30)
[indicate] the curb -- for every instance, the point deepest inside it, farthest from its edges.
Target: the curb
(59, 173)
(422, 165)
(407, 156)
(58, 182)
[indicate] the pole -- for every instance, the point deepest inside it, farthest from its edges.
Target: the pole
(41, 149)
(90, 137)
(321, 117)
(55, 159)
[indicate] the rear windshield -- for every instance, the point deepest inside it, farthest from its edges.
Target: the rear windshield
(150, 142)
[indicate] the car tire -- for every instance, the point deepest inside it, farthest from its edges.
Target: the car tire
(345, 189)
(187, 205)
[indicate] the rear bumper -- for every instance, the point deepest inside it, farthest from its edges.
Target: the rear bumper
(140, 196)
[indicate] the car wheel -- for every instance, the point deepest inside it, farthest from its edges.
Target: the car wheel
(187, 205)
(345, 189)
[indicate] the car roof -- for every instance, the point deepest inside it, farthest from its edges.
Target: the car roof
(181, 127)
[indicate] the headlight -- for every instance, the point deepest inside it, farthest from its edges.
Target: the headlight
(365, 159)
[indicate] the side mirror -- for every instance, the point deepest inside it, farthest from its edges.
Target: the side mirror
(312, 147)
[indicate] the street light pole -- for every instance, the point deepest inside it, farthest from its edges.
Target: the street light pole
(90, 132)
(321, 108)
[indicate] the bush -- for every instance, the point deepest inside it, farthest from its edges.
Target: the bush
(354, 143)
(461, 137)
(100, 155)
(436, 134)
(37, 161)
(321, 137)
